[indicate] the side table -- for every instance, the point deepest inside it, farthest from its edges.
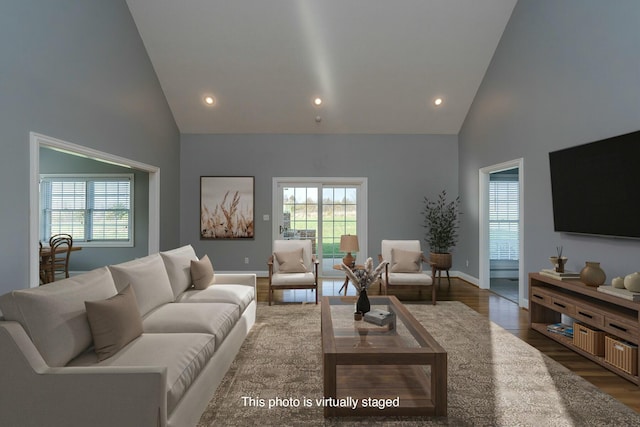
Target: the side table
(438, 273)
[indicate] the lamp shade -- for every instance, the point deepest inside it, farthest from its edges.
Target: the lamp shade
(349, 243)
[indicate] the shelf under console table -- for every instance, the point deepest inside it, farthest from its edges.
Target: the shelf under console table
(549, 298)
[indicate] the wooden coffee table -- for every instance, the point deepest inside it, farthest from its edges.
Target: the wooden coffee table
(398, 367)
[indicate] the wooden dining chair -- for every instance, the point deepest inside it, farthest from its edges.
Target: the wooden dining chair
(60, 245)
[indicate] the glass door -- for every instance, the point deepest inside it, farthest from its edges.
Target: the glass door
(321, 211)
(339, 217)
(299, 220)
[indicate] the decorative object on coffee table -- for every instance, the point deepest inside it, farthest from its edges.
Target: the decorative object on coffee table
(362, 279)
(362, 304)
(592, 275)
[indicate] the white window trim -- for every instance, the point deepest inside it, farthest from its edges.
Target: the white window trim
(129, 243)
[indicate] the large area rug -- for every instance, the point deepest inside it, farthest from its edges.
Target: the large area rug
(495, 379)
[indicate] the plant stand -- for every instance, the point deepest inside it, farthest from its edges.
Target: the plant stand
(438, 273)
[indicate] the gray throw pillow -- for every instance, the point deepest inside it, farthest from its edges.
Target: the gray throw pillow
(291, 262)
(114, 322)
(202, 273)
(405, 261)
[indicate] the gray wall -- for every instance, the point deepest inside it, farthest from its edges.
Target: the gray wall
(401, 170)
(77, 71)
(56, 162)
(565, 73)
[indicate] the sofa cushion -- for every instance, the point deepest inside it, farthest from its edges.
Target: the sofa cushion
(184, 356)
(410, 279)
(286, 279)
(114, 322)
(405, 261)
(235, 294)
(149, 279)
(290, 261)
(202, 273)
(178, 264)
(54, 315)
(209, 318)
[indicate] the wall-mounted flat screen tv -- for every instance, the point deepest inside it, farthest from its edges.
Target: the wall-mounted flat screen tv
(596, 187)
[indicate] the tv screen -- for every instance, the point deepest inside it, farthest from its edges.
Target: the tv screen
(596, 187)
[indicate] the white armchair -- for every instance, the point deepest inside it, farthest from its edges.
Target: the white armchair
(292, 266)
(404, 268)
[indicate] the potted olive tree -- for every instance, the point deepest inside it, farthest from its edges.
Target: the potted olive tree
(441, 221)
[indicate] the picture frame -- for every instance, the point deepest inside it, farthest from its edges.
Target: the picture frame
(227, 207)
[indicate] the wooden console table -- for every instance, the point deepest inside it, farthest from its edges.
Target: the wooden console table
(550, 298)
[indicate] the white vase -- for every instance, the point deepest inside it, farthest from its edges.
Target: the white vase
(632, 282)
(617, 282)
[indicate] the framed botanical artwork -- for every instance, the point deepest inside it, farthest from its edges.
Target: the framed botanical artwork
(226, 207)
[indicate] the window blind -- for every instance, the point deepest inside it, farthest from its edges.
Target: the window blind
(504, 226)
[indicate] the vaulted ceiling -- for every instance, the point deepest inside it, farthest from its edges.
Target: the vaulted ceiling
(377, 65)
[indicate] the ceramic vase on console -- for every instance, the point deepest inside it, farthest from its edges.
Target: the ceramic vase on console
(362, 305)
(632, 282)
(592, 275)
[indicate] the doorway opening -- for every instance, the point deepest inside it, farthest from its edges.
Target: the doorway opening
(501, 235)
(37, 141)
(504, 226)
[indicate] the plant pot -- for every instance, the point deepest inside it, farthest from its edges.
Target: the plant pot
(441, 261)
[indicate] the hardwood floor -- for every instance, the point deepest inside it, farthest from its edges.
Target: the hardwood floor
(500, 311)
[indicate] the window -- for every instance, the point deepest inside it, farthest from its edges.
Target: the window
(95, 209)
(503, 219)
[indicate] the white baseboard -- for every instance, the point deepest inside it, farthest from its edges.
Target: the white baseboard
(466, 277)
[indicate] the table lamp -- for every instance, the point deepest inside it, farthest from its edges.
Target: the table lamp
(349, 243)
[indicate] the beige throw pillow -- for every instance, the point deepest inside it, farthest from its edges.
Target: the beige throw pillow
(202, 273)
(291, 262)
(114, 322)
(405, 261)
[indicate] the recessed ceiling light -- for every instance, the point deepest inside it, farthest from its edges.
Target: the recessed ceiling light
(209, 100)
(317, 101)
(438, 101)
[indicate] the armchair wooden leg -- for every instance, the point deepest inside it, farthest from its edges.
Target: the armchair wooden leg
(270, 293)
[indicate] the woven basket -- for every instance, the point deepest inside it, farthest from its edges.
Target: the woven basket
(441, 261)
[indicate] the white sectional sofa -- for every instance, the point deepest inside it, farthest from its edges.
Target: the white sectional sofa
(50, 370)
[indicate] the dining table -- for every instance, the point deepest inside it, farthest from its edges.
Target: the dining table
(45, 254)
